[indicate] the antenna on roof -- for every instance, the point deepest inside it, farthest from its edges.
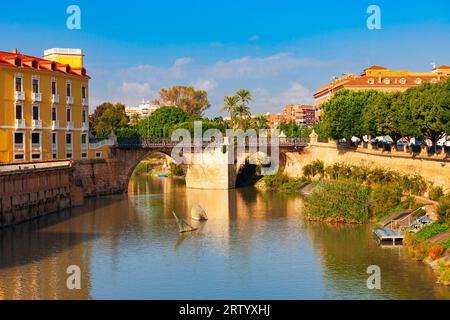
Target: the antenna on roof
(433, 64)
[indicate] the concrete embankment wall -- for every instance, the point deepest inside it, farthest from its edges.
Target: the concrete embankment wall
(31, 193)
(435, 169)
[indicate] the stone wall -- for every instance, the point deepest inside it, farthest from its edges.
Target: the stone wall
(31, 193)
(435, 169)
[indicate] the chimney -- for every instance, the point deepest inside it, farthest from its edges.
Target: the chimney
(15, 51)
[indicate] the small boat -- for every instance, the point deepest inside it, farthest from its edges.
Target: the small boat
(163, 175)
(183, 226)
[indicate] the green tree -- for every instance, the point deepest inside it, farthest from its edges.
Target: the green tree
(243, 110)
(230, 104)
(111, 120)
(294, 130)
(94, 118)
(381, 117)
(187, 98)
(160, 123)
(343, 113)
(260, 122)
(430, 106)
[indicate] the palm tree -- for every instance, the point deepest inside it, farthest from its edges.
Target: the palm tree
(244, 113)
(246, 97)
(230, 105)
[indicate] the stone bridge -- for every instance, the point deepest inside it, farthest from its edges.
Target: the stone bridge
(206, 165)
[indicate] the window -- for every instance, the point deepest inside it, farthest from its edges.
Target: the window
(69, 155)
(35, 113)
(54, 117)
(69, 115)
(35, 86)
(403, 81)
(371, 81)
(54, 156)
(418, 81)
(98, 154)
(83, 92)
(54, 138)
(36, 138)
(83, 116)
(68, 139)
(19, 113)
(18, 138)
(83, 139)
(69, 89)
(36, 156)
(19, 157)
(387, 81)
(54, 87)
(84, 155)
(19, 84)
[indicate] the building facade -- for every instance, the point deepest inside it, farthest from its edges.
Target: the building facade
(44, 106)
(381, 79)
(144, 110)
(301, 114)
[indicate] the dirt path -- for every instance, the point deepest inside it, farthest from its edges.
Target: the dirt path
(440, 237)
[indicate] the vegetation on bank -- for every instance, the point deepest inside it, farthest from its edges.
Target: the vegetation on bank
(148, 168)
(338, 201)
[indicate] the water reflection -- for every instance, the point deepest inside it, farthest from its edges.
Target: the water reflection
(254, 246)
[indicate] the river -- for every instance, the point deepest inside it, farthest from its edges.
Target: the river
(255, 246)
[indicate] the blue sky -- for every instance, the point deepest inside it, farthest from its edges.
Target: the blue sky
(280, 50)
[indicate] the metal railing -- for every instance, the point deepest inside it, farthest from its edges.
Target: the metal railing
(168, 143)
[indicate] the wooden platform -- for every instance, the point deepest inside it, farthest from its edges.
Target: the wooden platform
(389, 235)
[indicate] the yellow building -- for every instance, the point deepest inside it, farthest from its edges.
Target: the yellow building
(381, 79)
(44, 106)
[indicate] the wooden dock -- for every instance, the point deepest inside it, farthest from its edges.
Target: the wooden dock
(389, 235)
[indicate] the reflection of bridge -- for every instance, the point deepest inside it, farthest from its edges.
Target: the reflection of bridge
(207, 164)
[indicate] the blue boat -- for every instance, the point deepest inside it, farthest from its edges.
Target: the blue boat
(163, 175)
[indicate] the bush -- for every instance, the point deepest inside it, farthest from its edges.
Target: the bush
(436, 251)
(315, 168)
(431, 230)
(414, 184)
(417, 249)
(443, 210)
(436, 193)
(342, 200)
(384, 198)
(176, 170)
(142, 168)
(444, 270)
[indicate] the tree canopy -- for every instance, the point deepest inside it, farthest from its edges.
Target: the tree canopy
(187, 98)
(109, 118)
(160, 122)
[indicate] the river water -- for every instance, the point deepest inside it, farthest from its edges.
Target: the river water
(255, 246)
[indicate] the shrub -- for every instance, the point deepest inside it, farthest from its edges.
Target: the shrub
(436, 193)
(443, 210)
(384, 198)
(432, 230)
(414, 184)
(176, 170)
(142, 168)
(446, 243)
(341, 200)
(417, 249)
(315, 168)
(444, 270)
(435, 251)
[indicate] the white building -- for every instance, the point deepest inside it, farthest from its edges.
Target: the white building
(144, 110)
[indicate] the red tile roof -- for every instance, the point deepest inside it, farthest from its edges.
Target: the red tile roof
(29, 62)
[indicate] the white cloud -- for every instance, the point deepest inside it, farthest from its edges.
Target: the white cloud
(251, 67)
(182, 62)
(296, 94)
(207, 85)
(134, 92)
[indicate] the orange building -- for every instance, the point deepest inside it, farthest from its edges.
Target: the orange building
(301, 114)
(379, 78)
(274, 120)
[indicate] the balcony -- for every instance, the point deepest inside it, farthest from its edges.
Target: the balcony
(19, 147)
(36, 147)
(54, 147)
(85, 126)
(36, 124)
(69, 147)
(36, 97)
(85, 102)
(55, 98)
(69, 125)
(55, 124)
(20, 124)
(19, 96)
(69, 100)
